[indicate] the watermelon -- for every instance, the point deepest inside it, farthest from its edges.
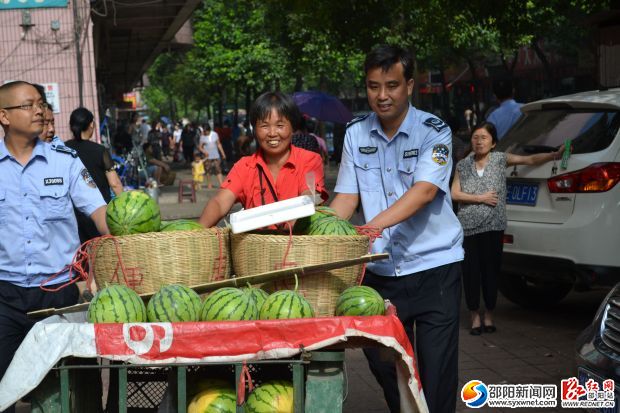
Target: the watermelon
(174, 303)
(331, 226)
(274, 396)
(180, 225)
(116, 304)
(286, 304)
(214, 400)
(133, 212)
(257, 294)
(229, 304)
(302, 224)
(197, 384)
(360, 300)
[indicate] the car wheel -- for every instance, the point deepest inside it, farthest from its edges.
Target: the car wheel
(532, 293)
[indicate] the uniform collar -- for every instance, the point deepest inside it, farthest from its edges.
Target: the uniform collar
(39, 149)
(292, 161)
(405, 128)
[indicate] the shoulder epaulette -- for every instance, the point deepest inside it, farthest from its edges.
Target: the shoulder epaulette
(64, 149)
(435, 123)
(357, 119)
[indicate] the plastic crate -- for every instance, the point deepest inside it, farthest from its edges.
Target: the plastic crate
(318, 382)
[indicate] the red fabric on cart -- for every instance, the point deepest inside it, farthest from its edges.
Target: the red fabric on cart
(159, 341)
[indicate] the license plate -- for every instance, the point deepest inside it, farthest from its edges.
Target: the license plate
(584, 375)
(521, 193)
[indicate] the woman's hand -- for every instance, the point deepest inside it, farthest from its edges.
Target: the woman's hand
(488, 198)
(558, 154)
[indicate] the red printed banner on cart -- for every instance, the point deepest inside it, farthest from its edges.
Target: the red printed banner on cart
(162, 341)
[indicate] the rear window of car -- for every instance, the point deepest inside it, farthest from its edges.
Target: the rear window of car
(545, 130)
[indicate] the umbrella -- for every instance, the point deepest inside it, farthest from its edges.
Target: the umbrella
(322, 106)
(166, 120)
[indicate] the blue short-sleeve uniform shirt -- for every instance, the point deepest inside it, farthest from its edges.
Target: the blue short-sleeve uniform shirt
(39, 226)
(381, 170)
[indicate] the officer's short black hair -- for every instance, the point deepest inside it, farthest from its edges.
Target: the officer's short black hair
(487, 126)
(283, 104)
(502, 88)
(7, 89)
(385, 56)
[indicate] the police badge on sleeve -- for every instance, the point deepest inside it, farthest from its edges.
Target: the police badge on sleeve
(440, 154)
(87, 178)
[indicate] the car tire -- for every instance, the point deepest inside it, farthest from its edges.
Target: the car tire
(532, 293)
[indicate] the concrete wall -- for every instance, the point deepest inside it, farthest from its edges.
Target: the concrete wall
(41, 55)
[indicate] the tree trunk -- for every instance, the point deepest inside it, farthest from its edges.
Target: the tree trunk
(547, 67)
(236, 112)
(220, 107)
(248, 102)
(299, 82)
(445, 97)
(510, 69)
(474, 82)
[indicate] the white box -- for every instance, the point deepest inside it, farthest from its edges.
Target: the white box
(270, 214)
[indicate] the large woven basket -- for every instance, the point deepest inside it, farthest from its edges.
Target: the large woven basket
(256, 253)
(153, 259)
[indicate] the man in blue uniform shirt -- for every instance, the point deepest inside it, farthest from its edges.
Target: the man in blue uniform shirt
(508, 112)
(39, 184)
(397, 162)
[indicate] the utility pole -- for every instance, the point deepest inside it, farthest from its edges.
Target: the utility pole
(77, 28)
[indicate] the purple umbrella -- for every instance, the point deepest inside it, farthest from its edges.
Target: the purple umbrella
(322, 106)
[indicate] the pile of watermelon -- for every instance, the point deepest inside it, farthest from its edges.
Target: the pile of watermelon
(323, 222)
(134, 212)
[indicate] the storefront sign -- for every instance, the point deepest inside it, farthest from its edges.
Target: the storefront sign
(31, 4)
(52, 95)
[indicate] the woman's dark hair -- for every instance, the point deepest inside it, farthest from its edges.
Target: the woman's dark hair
(489, 127)
(79, 121)
(385, 56)
(283, 104)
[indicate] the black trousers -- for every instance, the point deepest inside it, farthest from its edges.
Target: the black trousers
(481, 267)
(429, 299)
(15, 302)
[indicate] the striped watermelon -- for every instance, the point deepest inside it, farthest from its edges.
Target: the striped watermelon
(257, 294)
(174, 303)
(180, 225)
(133, 212)
(274, 396)
(285, 304)
(116, 304)
(214, 400)
(360, 300)
(302, 224)
(331, 226)
(229, 304)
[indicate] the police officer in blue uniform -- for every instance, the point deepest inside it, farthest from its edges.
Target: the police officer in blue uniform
(39, 184)
(396, 161)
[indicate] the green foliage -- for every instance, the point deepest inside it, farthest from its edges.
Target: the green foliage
(248, 46)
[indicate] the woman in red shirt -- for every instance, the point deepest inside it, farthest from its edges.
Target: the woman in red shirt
(277, 171)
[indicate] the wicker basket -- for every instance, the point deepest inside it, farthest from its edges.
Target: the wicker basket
(157, 258)
(257, 253)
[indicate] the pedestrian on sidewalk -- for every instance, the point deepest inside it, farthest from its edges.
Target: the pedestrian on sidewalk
(479, 187)
(211, 147)
(396, 161)
(277, 171)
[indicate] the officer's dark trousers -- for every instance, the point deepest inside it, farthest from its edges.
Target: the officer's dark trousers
(15, 302)
(430, 299)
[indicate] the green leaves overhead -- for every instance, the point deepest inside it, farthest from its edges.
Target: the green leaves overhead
(248, 46)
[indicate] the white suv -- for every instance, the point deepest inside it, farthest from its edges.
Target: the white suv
(563, 217)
